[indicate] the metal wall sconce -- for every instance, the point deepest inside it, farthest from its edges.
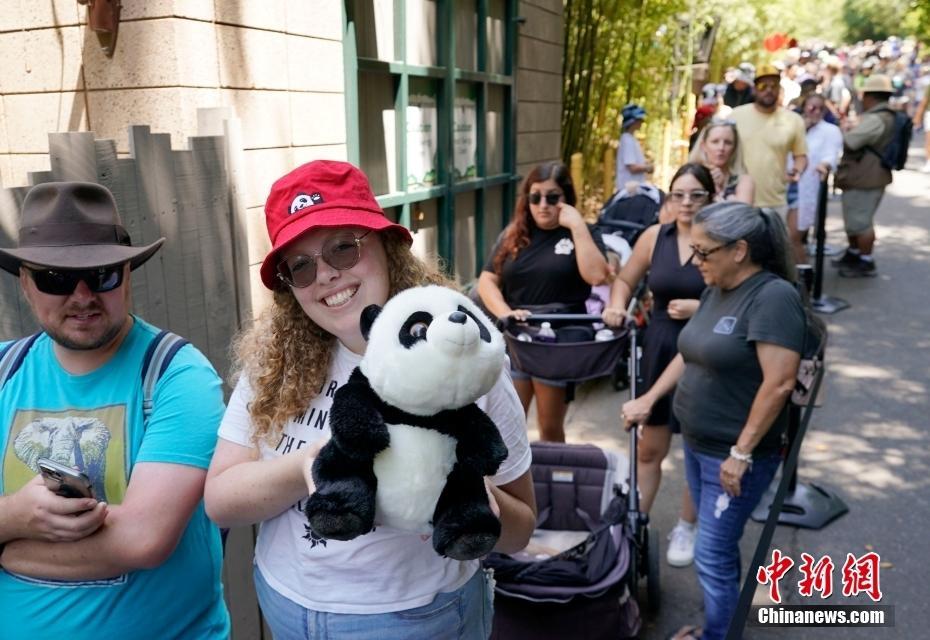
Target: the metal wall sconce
(103, 19)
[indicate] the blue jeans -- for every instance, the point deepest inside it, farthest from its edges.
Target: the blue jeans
(463, 614)
(721, 520)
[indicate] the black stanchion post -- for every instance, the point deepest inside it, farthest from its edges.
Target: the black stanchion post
(819, 302)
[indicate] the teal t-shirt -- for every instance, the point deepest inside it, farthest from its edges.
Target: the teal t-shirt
(94, 421)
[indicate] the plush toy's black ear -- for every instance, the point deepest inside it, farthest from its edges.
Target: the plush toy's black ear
(369, 314)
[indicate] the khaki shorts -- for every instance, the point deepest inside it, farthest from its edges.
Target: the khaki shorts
(859, 207)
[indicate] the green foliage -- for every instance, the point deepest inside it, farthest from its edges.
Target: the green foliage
(621, 51)
(917, 21)
(616, 52)
(868, 19)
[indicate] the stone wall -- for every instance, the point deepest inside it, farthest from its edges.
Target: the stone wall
(277, 64)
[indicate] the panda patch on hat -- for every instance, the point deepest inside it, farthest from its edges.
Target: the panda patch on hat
(303, 201)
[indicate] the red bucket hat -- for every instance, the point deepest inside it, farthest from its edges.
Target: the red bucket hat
(322, 193)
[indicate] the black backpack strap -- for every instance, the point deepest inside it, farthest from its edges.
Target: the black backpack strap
(13, 355)
(158, 356)
(891, 125)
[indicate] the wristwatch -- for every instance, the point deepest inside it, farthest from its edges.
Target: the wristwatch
(739, 455)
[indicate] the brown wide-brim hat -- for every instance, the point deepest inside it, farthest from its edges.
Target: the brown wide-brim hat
(73, 225)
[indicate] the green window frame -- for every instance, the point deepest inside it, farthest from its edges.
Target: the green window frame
(463, 76)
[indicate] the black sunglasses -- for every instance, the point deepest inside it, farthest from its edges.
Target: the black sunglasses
(701, 255)
(551, 198)
(61, 282)
(341, 252)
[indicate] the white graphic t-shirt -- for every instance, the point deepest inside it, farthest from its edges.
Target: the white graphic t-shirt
(384, 570)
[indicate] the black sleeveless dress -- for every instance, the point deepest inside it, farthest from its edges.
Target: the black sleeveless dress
(668, 280)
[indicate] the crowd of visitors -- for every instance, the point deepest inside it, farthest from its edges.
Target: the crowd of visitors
(845, 99)
(168, 466)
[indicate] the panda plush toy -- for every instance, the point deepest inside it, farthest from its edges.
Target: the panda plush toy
(409, 447)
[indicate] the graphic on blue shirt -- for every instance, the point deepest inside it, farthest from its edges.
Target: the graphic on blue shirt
(725, 325)
(92, 441)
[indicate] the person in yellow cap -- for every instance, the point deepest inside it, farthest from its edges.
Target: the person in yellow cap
(769, 133)
(862, 176)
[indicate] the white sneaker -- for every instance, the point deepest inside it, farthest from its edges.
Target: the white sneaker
(926, 167)
(681, 545)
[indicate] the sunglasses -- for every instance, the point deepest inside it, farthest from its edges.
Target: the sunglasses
(698, 195)
(551, 198)
(341, 251)
(767, 84)
(701, 255)
(63, 282)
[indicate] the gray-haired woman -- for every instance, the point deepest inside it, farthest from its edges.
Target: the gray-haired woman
(736, 366)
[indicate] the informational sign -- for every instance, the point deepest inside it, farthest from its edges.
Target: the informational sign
(465, 140)
(421, 141)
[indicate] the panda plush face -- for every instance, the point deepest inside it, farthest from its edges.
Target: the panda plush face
(429, 349)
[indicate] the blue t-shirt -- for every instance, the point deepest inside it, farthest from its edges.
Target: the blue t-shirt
(94, 421)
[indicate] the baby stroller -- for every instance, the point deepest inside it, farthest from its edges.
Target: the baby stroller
(579, 576)
(627, 215)
(581, 349)
(621, 222)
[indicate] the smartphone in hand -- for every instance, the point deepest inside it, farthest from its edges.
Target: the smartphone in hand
(65, 481)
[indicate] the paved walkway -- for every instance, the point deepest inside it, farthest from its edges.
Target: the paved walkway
(868, 443)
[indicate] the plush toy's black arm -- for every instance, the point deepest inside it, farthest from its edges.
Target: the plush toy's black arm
(355, 421)
(480, 446)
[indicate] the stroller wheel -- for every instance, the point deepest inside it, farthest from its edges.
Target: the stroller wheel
(653, 593)
(620, 378)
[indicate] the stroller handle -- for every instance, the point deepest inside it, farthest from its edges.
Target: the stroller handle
(557, 318)
(622, 224)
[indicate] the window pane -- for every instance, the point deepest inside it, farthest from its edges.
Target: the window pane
(374, 28)
(495, 129)
(424, 223)
(422, 134)
(377, 130)
(464, 232)
(421, 32)
(466, 32)
(495, 29)
(465, 140)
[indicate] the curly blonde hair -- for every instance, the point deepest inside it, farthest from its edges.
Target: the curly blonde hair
(286, 355)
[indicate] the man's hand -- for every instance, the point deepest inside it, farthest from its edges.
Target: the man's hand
(823, 170)
(43, 515)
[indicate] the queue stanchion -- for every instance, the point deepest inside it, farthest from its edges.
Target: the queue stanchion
(809, 506)
(819, 302)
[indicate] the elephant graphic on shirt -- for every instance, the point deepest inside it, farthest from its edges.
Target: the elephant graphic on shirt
(76, 441)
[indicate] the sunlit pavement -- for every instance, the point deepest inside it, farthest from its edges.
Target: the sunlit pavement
(869, 442)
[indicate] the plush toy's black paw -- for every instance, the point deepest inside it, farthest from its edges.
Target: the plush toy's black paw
(339, 516)
(467, 535)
